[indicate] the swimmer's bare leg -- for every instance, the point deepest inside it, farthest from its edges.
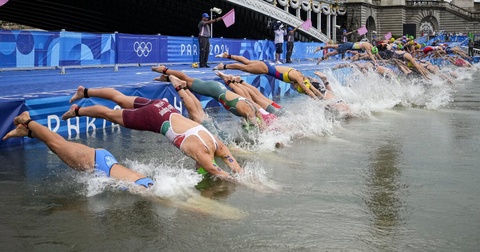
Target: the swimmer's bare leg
(321, 75)
(320, 60)
(105, 93)
(96, 111)
(241, 59)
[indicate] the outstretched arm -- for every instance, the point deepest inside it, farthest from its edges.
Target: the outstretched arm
(324, 79)
(297, 78)
(224, 153)
(213, 20)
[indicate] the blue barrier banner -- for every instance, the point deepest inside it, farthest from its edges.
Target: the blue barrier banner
(182, 49)
(84, 49)
(9, 110)
(22, 49)
(186, 49)
(257, 50)
(48, 111)
(29, 49)
(305, 50)
(137, 48)
(221, 45)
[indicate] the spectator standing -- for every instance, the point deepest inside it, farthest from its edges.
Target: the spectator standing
(204, 38)
(471, 45)
(280, 33)
(290, 42)
(344, 37)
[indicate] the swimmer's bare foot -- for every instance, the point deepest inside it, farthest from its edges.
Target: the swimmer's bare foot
(158, 69)
(219, 66)
(22, 118)
(228, 79)
(176, 82)
(222, 75)
(163, 78)
(71, 112)
(79, 94)
(222, 55)
(20, 131)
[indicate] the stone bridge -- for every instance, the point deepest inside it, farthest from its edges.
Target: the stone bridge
(415, 17)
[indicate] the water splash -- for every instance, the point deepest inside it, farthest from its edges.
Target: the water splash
(255, 177)
(174, 187)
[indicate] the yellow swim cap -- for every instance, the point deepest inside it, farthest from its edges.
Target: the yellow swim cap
(306, 81)
(392, 40)
(195, 65)
(409, 64)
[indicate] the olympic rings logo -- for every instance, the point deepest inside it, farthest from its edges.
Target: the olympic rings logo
(142, 48)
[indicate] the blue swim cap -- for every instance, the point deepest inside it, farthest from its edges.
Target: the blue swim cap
(344, 31)
(205, 15)
(146, 182)
(290, 28)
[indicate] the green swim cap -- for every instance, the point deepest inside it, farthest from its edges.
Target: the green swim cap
(202, 170)
(374, 50)
(247, 126)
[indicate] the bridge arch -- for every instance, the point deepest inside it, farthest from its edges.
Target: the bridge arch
(428, 22)
(371, 26)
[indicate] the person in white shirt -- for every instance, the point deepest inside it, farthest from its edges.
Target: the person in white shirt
(280, 32)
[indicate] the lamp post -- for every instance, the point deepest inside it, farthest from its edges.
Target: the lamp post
(212, 10)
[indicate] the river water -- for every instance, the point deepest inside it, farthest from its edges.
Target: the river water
(402, 175)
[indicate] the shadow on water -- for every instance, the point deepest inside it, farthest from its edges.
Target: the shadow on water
(12, 158)
(384, 191)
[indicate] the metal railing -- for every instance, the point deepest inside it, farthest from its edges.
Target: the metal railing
(441, 3)
(272, 11)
